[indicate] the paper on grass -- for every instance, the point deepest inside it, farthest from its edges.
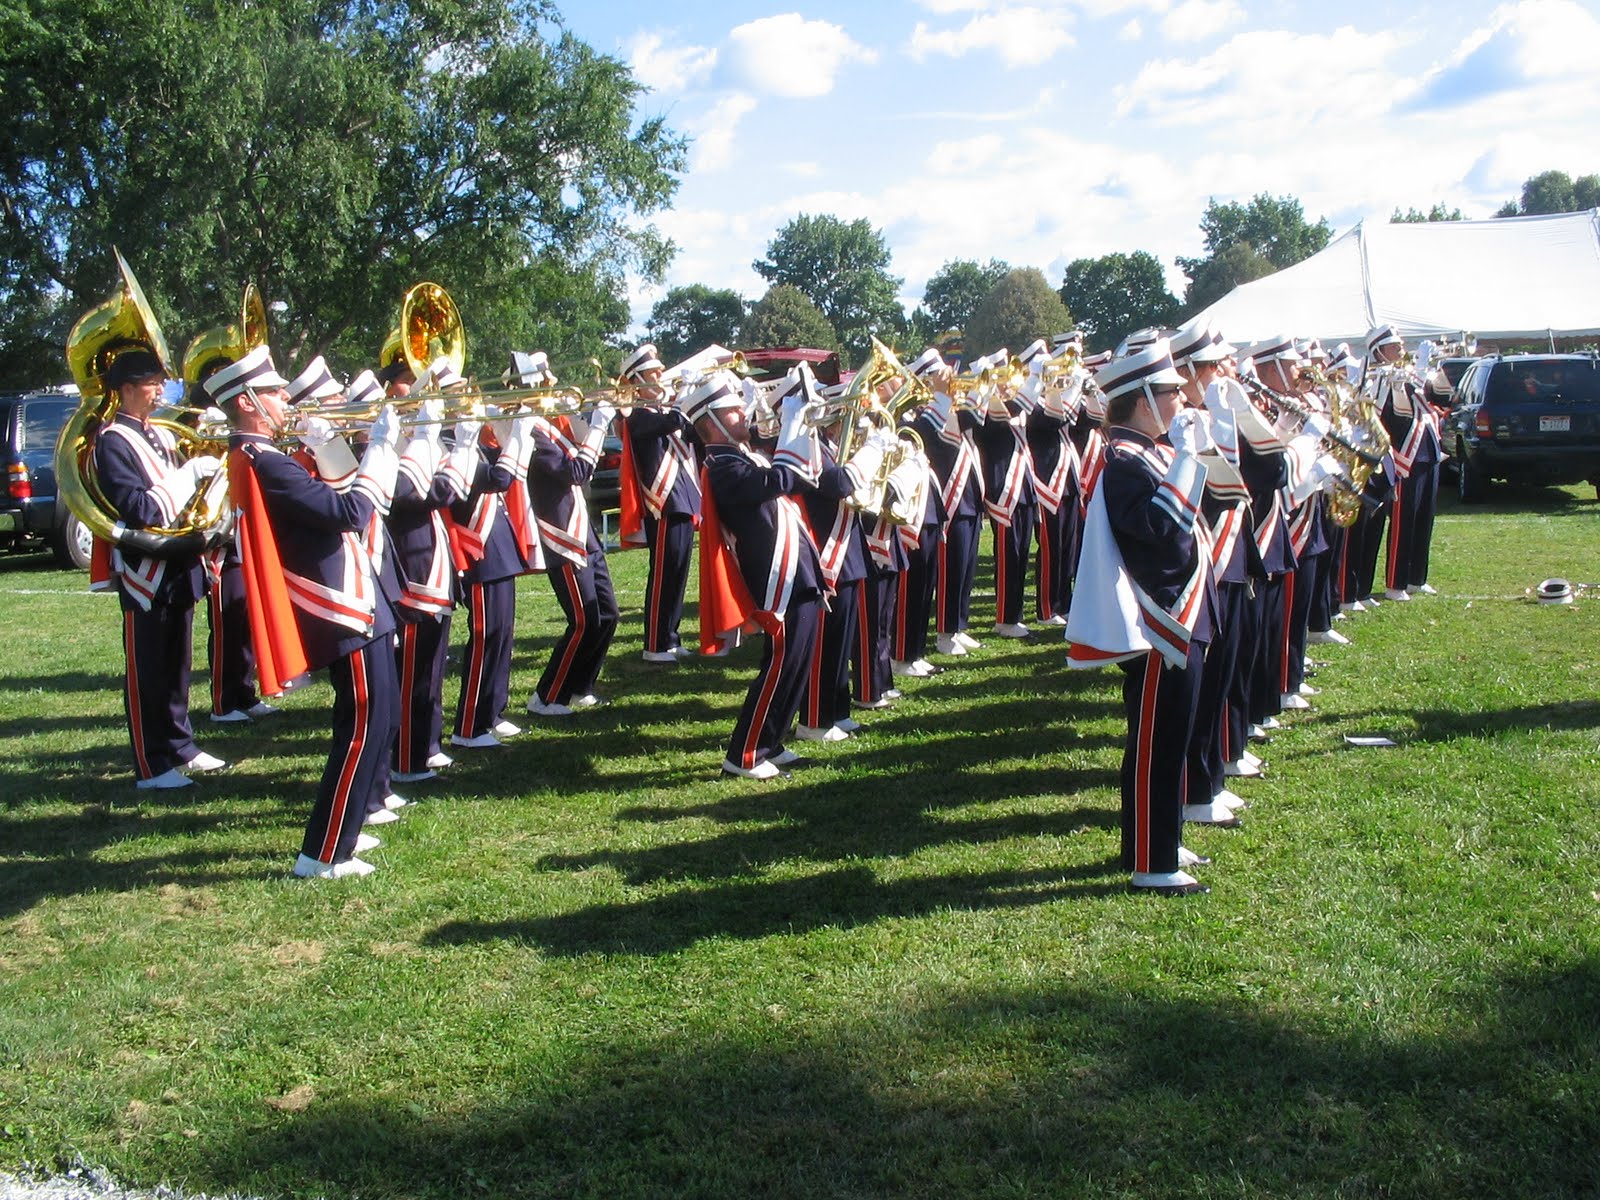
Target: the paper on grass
(1352, 739)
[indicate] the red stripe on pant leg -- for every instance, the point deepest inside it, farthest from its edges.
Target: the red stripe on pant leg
(1227, 734)
(577, 625)
(467, 718)
(1144, 756)
(1288, 632)
(864, 646)
(658, 559)
(747, 756)
(902, 592)
(941, 624)
(999, 575)
(352, 756)
(1046, 580)
(131, 689)
(1395, 521)
(814, 675)
(214, 623)
(408, 677)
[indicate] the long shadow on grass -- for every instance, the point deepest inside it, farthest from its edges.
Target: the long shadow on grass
(1445, 725)
(1055, 1091)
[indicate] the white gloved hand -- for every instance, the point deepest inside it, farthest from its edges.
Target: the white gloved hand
(601, 416)
(430, 419)
(1188, 433)
(385, 430)
(793, 406)
(202, 467)
(315, 432)
(1317, 426)
(467, 430)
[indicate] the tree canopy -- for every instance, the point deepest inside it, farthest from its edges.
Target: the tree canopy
(1246, 241)
(785, 316)
(1554, 192)
(1415, 216)
(956, 289)
(1021, 307)
(1115, 294)
(690, 318)
(843, 267)
(334, 154)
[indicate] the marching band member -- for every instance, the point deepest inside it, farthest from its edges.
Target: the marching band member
(661, 484)
(758, 563)
(880, 590)
(1144, 600)
(1008, 494)
(316, 599)
(1366, 535)
(1413, 427)
(914, 604)
(564, 453)
(947, 438)
(1057, 480)
(143, 481)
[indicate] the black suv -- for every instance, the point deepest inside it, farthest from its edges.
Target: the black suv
(30, 518)
(1533, 418)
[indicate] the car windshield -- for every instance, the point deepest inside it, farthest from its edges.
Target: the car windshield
(1566, 380)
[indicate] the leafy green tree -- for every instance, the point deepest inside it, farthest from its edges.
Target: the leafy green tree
(1554, 192)
(1022, 306)
(1117, 293)
(785, 316)
(690, 318)
(956, 289)
(1215, 277)
(843, 266)
(1415, 216)
(333, 153)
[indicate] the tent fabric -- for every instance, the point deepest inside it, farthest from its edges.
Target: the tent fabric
(1505, 279)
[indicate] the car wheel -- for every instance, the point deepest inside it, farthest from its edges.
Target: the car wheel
(74, 544)
(1471, 486)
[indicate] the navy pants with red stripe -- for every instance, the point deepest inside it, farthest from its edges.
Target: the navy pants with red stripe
(1361, 558)
(874, 673)
(958, 563)
(1245, 663)
(366, 717)
(1209, 745)
(1160, 702)
(1058, 553)
(1411, 527)
(1266, 694)
(671, 541)
(486, 665)
(827, 695)
(421, 652)
(1325, 596)
(914, 604)
(233, 660)
(774, 695)
(587, 597)
(155, 687)
(1012, 546)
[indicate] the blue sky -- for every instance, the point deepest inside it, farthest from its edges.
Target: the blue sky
(1042, 131)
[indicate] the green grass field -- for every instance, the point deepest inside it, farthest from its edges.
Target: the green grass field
(588, 966)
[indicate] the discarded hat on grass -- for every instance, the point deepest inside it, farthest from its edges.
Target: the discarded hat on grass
(1554, 591)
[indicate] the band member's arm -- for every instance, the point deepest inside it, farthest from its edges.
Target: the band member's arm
(139, 501)
(292, 495)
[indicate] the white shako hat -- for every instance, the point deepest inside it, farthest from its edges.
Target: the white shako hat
(926, 363)
(252, 372)
(1384, 335)
(1341, 357)
(1037, 351)
(645, 358)
(1139, 371)
(316, 382)
(364, 389)
(1198, 342)
(1060, 341)
(1138, 340)
(1274, 349)
(1311, 350)
(718, 389)
(528, 370)
(440, 376)
(1554, 591)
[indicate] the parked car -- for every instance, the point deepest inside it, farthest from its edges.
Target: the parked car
(1445, 378)
(605, 485)
(1526, 417)
(30, 518)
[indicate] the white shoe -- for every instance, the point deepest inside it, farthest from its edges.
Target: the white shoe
(505, 729)
(1241, 770)
(849, 725)
(392, 801)
(307, 867)
(1209, 814)
(967, 640)
(947, 644)
(892, 693)
(685, 651)
(783, 757)
(762, 770)
(539, 708)
(1257, 734)
(170, 778)
(1293, 700)
(1370, 601)
(483, 741)
(905, 670)
(1427, 589)
(365, 842)
(1307, 690)
(1055, 619)
(440, 761)
(1354, 606)
(1018, 630)
(587, 700)
(204, 762)
(231, 718)
(660, 656)
(925, 667)
(412, 776)
(1326, 637)
(1175, 883)
(827, 733)
(1271, 723)
(880, 702)
(1399, 594)
(261, 709)
(1251, 759)
(1226, 799)
(381, 816)
(1340, 616)
(1188, 858)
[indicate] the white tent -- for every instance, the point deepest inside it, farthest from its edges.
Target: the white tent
(1515, 278)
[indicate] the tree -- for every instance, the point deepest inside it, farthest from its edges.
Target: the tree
(334, 154)
(1415, 216)
(843, 267)
(1117, 293)
(1554, 192)
(1274, 232)
(1018, 309)
(785, 316)
(956, 289)
(1215, 277)
(690, 318)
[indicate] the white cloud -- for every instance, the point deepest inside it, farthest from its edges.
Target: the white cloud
(791, 57)
(713, 132)
(1524, 45)
(665, 68)
(1131, 32)
(1195, 20)
(1020, 36)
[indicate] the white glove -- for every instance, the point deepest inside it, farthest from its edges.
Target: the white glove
(797, 446)
(315, 432)
(202, 467)
(1317, 426)
(1188, 433)
(867, 461)
(467, 430)
(601, 416)
(792, 408)
(386, 429)
(430, 419)
(499, 422)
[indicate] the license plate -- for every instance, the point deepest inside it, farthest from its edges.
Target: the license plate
(1555, 424)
